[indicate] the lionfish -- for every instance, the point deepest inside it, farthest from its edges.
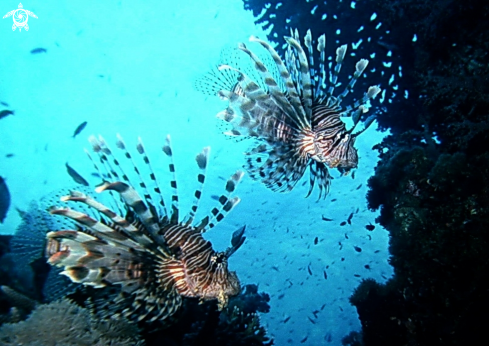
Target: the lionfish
(289, 107)
(142, 260)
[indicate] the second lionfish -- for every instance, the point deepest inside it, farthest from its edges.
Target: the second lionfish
(140, 257)
(289, 106)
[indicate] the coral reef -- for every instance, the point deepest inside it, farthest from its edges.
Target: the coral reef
(65, 323)
(432, 186)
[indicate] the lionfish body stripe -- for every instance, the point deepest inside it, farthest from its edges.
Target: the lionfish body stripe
(144, 263)
(288, 106)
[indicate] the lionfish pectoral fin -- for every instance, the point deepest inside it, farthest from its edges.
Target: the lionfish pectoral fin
(281, 171)
(319, 174)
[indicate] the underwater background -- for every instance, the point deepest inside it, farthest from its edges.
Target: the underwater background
(130, 68)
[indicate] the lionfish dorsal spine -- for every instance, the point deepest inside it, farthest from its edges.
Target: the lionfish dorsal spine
(273, 88)
(173, 183)
(141, 182)
(308, 44)
(132, 199)
(340, 56)
(226, 204)
(142, 151)
(322, 72)
(288, 82)
(305, 85)
(202, 160)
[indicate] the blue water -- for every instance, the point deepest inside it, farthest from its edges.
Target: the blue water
(130, 68)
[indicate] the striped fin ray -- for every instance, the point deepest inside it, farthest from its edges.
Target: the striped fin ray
(90, 260)
(320, 93)
(202, 160)
(100, 147)
(319, 174)
(119, 206)
(290, 87)
(255, 107)
(131, 198)
(275, 92)
(360, 66)
(150, 301)
(101, 230)
(340, 56)
(226, 204)
(146, 194)
(305, 84)
(173, 183)
(141, 150)
(372, 91)
(308, 44)
(128, 228)
(281, 170)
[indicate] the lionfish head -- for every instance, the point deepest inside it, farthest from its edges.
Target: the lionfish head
(225, 283)
(338, 152)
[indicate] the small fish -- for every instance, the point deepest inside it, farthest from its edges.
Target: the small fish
(39, 50)
(304, 340)
(75, 175)
(369, 237)
(357, 275)
(79, 129)
(349, 218)
(4, 199)
(325, 275)
(286, 319)
(357, 249)
(334, 200)
(343, 223)
(366, 266)
(326, 219)
(376, 251)
(6, 112)
(215, 197)
(346, 236)
(9, 155)
(316, 241)
(370, 227)
(309, 269)
(275, 268)
(353, 175)
(312, 321)
(358, 187)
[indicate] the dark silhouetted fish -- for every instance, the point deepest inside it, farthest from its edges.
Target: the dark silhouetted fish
(6, 112)
(357, 249)
(370, 227)
(38, 50)
(79, 129)
(289, 106)
(326, 219)
(4, 199)
(75, 175)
